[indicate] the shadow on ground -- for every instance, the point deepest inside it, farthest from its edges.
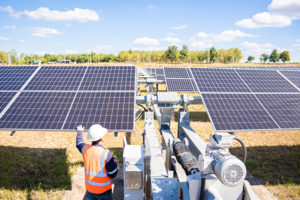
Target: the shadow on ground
(273, 165)
(195, 116)
(30, 169)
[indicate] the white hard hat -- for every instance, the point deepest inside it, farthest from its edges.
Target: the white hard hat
(96, 132)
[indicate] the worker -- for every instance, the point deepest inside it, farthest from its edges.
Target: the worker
(99, 163)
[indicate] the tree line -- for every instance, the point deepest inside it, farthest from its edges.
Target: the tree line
(273, 57)
(171, 55)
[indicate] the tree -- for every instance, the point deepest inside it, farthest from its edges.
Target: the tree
(212, 55)
(285, 56)
(13, 56)
(3, 57)
(171, 53)
(250, 59)
(184, 52)
(274, 57)
(264, 57)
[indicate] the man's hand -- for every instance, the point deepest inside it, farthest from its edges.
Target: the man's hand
(80, 128)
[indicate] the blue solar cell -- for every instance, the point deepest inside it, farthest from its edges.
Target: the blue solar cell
(218, 80)
(13, 78)
(38, 110)
(5, 98)
(231, 112)
(57, 78)
(265, 81)
(109, 78)
(160, 71)
(293, 76)
(180, 85)
(113, 110)
(176, 72)
(284, 108)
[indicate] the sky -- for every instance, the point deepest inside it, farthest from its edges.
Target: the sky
(76, 26)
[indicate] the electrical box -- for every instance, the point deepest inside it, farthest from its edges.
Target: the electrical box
(133, 159)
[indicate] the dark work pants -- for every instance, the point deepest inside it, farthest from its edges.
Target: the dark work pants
(104, 196)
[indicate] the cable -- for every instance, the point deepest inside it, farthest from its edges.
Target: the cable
(244, 148)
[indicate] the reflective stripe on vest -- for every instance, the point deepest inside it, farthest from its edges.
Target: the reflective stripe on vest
(96, 179)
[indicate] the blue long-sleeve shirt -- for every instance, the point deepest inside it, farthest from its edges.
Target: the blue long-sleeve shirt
(110, 162)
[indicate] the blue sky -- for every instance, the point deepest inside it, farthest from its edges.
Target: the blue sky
(254, 26)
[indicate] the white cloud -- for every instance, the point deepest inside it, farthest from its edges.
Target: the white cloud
(146, 41)
(11, 11)
(22, 41)
(78, 14)
(68, 25)
(9, 27)
(172, 40)
(201, 44)
(225, 36)
(179, 27)
(255, 49)
(290, 8)
(45, 32)
(280, 13)
(265, 19)
(152, 6)
(2, 38)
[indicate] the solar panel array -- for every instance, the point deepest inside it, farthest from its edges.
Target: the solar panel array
(156, 72)
(62, 97)
(179, 80)
(243, 99)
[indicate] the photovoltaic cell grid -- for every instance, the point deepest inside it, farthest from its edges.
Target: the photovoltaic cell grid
(13, 78)
(284, 108)
(179, 80)
(180, 85)
(113, 110)
(293, 76)
(49, 109)
(218, 80)
(109, 78)
(5, 98)
(38, 110)
(57, 78)
(176, 72)
(255, 109)
(265, 81)
(237, 112)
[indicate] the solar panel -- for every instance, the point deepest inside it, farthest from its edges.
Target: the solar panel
(265, 81)
(293, 76)
(230, 112)
(38, 110)
(284, 108)
(113, 110)
(218, 80)
(162, 78)
(109, 78)
(5, 98)
(176, 72)
(180, 85)
(159, 71)
(13, 78)
(57, 78)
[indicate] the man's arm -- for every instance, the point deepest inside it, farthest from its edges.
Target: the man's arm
(111, 165)
(79, 138)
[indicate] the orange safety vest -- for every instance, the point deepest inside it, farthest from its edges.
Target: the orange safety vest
(96, 179)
